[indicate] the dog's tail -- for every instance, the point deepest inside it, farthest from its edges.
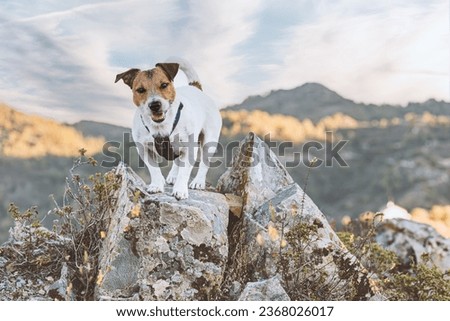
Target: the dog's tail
(187, 68)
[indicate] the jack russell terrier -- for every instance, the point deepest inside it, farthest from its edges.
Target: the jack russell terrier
(166, 118)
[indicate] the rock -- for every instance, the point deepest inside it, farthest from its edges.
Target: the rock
(281, 231)
(158, 248)
(266, 290)
(235, 204)
(3, 262)
(58, 290)
(410, 240)
(257, 174)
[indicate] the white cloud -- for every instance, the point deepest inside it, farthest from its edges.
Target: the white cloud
(395, 55)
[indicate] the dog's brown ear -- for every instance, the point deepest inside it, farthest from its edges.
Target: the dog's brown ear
(171, 69)
(128, 76)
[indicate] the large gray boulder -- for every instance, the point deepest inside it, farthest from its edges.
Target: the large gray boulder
(410, 240)
(281, 231)
(158, 248)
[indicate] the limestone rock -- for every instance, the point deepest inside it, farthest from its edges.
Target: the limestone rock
(266, 290)
(282, 231)
(59, 289)
(158, 248)
(257, 174)
(410, 240)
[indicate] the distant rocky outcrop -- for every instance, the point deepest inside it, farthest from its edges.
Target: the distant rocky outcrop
(411, 240)
(257, 237)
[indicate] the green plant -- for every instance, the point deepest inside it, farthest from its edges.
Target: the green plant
(421, 282)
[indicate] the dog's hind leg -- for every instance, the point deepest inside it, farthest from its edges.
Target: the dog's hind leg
(172, 177)
(185, 165)
(208, 146)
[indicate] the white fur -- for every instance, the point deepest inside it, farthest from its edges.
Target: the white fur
(199, 114)
(187, 68)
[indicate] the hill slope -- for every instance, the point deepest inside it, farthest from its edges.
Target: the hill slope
(315, 101)
(29, 136)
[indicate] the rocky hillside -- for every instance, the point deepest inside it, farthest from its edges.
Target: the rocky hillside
(28, 136)
(258, 236)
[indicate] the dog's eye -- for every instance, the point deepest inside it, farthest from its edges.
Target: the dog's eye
(141, 90)
(164, 85)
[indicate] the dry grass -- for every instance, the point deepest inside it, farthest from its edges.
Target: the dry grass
(30, 136)
(282, 127)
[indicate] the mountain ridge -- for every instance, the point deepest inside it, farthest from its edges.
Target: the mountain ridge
(315, 101)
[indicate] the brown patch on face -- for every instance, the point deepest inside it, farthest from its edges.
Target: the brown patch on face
(152, 82)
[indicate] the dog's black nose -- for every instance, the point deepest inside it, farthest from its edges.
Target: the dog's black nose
(155, 106)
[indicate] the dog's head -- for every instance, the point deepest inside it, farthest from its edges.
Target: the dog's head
(153, 90)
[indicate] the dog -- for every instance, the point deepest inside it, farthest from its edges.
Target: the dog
(167, 119)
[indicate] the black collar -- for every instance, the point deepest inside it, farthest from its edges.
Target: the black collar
(175, 122)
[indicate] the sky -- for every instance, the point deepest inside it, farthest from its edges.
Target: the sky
(59, 58)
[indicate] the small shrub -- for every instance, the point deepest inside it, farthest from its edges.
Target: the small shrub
(32, 250)
(421, 282)
(84, 213)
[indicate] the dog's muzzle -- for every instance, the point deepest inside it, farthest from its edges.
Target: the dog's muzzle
(157, 113)
(155, 106)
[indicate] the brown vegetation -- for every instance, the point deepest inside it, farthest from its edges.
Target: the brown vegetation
(281, 126)
(438, 217)
(293, 129)
(28, 136)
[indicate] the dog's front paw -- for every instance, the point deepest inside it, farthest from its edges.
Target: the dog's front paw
(197, 184)
(153, 188)
(180, 193)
